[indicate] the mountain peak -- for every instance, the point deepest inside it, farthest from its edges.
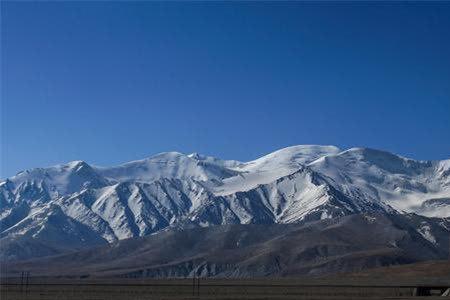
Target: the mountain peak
(167, 155)
(299, 154)
(76, 165)
(196, 156)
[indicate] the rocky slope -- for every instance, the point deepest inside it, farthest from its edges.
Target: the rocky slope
(343, 244)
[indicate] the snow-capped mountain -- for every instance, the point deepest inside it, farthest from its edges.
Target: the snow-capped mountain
(75, 205)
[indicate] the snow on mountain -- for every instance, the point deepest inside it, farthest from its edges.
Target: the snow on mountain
(171, 165)
(101, 205)
(302, 195)
(271, 167)
(50, 224)
(383, 177)
(61, 179)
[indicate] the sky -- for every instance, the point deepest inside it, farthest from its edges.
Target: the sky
(110, 82)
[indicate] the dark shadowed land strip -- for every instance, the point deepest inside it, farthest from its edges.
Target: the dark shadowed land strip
(204, 291)
(397, 282)
(263, 288)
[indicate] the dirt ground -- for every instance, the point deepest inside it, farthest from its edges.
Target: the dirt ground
(207, 289)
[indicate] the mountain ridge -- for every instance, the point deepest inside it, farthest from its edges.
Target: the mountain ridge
(171, 189)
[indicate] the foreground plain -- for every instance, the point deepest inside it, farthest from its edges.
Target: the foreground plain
(396, 282)
(208, 289)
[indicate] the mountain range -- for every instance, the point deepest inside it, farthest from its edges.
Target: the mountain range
(54, 211)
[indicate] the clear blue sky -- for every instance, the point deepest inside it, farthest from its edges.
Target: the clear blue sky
(109, 82)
